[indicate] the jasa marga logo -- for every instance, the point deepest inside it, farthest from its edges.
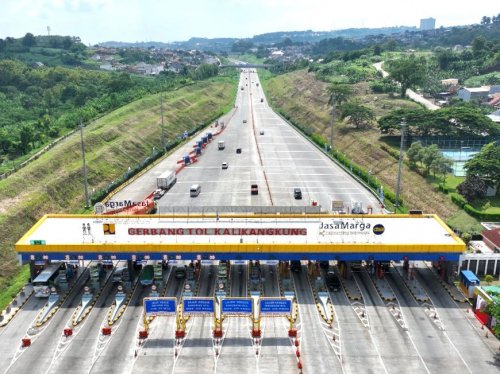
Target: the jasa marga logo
(378, 229)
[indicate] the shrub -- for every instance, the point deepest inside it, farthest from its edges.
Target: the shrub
(458, 199)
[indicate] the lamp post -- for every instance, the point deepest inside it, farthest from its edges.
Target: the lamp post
(87, 201)
(400, 162)
(162, 131)
(331, 127)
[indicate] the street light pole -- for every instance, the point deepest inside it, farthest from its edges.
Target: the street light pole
(400, 162)
(162, 132)
(331, 128)
(87, 201)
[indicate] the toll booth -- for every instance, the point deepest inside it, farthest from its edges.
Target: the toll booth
(468, 282)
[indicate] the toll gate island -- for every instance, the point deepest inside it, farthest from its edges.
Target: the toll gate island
(281, 237)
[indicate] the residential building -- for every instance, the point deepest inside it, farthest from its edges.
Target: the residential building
(492, 239)
(474, 93)
(107, 66)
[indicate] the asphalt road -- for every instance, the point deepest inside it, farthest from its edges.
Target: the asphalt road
(395, 346)
(237, 353)
(316, 351)
(471, 347)
(157, 353)
(197, 350)
(276, 352)
(42, 351)
(278, 160)
(359, 352)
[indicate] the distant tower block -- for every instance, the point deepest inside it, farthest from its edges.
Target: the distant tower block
(427, 23)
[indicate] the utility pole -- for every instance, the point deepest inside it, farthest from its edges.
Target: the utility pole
(87, 201)
(331, 127)
(162, 131)
(398, 186)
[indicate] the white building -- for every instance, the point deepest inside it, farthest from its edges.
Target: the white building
(427, 23)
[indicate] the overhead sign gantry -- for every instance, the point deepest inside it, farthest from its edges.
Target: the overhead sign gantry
(234, 237)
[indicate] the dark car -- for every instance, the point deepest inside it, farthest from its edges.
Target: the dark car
(332, 281)
(297, 193)
(324, 264)
(254, 189)
(238, 150)
(180, 272)
(295, 266)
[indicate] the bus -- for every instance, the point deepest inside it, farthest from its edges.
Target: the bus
(47, 279)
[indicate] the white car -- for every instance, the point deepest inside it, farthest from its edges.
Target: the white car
(225, 165)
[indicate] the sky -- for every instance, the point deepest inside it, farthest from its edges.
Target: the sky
(97, 21)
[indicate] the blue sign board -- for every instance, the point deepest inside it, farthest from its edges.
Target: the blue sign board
(236, 306)
(198, 305)
(160, 306)
(275, 306)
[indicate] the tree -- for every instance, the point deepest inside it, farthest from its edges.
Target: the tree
(486, 164)
(3, 44)
(494, 311)
(408, 71)
(26, 136)
(442, 166)
(444, 57)
(428, 155)
(338, 94)
(472, 188)
(29, 40)
(458, 120)
(361, 116)
(67, 42)
(488, 278)
(466, 237)
(485, 20)
(414, 153)
(479, 45)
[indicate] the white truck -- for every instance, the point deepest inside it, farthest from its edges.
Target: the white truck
(166, 180)
(222, 145)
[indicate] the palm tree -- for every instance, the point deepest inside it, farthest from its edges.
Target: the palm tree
(339, 94)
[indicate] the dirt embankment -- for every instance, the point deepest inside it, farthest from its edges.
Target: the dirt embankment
(304, 99)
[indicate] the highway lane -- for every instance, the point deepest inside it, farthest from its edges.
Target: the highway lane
(316, 351)
(394, 344)
(157, 354)
(359, 353)
(277, 161)
(435, 348)
(223, 187)
(41, 352)
(290, 160)
(15, 330)
(197, 351)
(118, 355)
(276, 353)
(465, 337)
(237, 354)
(78, 354)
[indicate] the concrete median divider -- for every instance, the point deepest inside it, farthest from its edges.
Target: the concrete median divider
(15, 306)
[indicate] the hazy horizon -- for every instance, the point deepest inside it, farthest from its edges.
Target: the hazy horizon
(97, 21)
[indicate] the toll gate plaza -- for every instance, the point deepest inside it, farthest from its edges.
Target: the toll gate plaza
(238, 237)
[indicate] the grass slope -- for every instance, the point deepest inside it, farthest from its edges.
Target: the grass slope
(304, 99)
(115, 142)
